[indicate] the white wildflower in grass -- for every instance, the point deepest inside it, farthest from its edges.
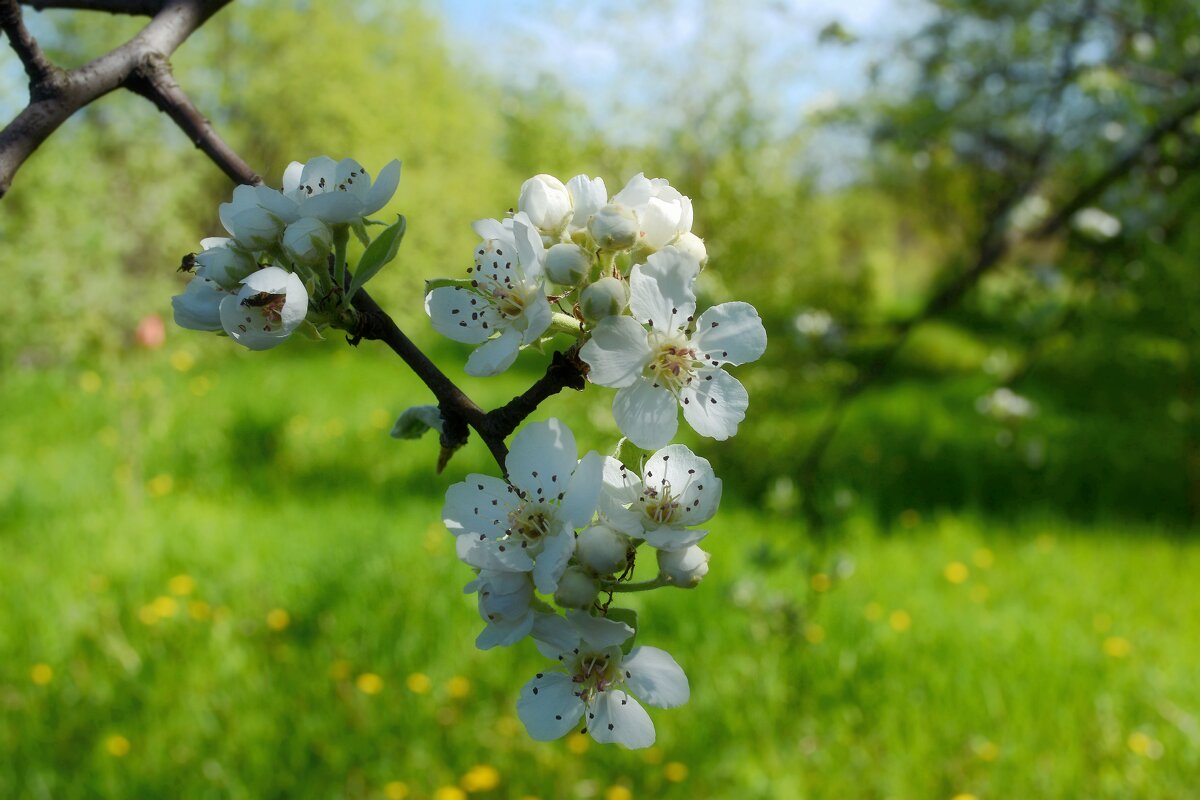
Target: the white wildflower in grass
(596, 683)
(678, 490)
(337, 192)
(678, 360)
(505, 306)
(270, 305)
(527, 523)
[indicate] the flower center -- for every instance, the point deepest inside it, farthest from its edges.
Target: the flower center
(673, 362)
(530, 523)
(509, 303)
(595, 671)
(659, 505)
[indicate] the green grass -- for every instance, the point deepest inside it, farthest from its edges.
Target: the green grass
(1059, 662)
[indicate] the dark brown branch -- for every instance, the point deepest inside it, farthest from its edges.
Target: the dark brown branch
(155, 81)
(137, 8)
(566, 371)
(39, 69)
(54, 100)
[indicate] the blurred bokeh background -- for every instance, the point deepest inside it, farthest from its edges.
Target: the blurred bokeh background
(956, 555)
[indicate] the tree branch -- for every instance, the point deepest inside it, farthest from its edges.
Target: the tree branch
(37, 66)
(60, 94)
(143, 8)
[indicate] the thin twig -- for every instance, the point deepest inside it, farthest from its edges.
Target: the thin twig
(37, 66)
(137, 8)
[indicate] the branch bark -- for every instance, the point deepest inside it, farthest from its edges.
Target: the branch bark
(137, 8)
(56, 94)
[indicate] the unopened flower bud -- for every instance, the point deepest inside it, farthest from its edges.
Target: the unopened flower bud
(576, 589)
(546, 200)
(604, 298)
(225, 265)
(614, 227)
(601, 549)
(684, 568)
(693, 245)
(567, 264)
(308, 241)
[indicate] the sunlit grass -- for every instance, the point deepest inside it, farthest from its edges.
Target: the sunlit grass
(219, 580)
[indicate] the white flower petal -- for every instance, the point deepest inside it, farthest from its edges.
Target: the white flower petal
(489, 229)
(637, 192)
(616, 717)
(542, 458)
(660, 222)
(714, 404)
(674, 538)
(478, 506)
(731, 333)
(589, 196)
(583, 493)
(617, 353)
(504, 634)
(538, 314)
(493, 357)
(552, 561)
(383, 188)
(553, 635)
(648, 416)
(655, 677)
(291, 176)
(199, 307)
(599, 632)
(333, 207)
(660, 291)
(460, 314)
(548, 706)
(691, 479)
(530, 251)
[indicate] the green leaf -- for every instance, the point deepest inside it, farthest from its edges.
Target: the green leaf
(377, 255)
(441, 283)
(413, 423)
(360, 232)
(310, 331)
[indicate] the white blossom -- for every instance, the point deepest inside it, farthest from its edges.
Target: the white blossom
(594, 682)
(547, 203)
(686, 567)
(337, 192)
(308, 240)
(256, 216)
(678, 360)
(663, 213)
(504, 605)
(588, 196)
(677, 490)
(506, 299)
(527, 523)
(270, 305)
(198, 308)
(223, 262)
(601, 549)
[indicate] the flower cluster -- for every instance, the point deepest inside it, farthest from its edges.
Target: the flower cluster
(555, 539)
(274, 272)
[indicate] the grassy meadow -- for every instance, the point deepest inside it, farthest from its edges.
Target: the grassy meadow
(219, 579)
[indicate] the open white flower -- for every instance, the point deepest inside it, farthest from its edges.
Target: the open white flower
(663, 213)
(665, 366)
(528, 522)
(506, 299)
(270, 305)
(677, 491)
(256, 216)
(338, 191)
(596, 682)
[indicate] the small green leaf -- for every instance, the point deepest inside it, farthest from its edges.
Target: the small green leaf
(310, 331)
(360, 232)
(377, 255)
(413, 423)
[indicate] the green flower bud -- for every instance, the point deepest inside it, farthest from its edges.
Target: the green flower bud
(576, 589)
(567, 264)
(614, 227)
(604, 298)
(601, 549)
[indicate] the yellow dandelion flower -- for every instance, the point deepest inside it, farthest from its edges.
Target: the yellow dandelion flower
(165, 606)
(578, 743)
(436, 539)
(90, 382)
(449, 793)
(530, 797)
(182, 360)
(820, 583)
(480, 778)
(986, 750)
(395, 790)
(873, 611)
(418, 683)
(369, 683)
(1145, 745)
(160, 485)
(508, 727)
(117, 745)
(675, 771)
(964, 796)
(956, 572)
(1117, 647)
(147, 615)
(652, 755)
(900, 620)
(814, 633)
(199, 610)
(182, 585)
(984, 558)
(41, 674)
(618, 793)
(278, 619)
(458, 687)
(200, 385)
